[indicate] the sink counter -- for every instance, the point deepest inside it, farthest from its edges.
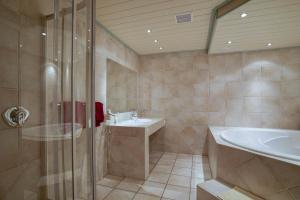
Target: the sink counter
(151, 125)
(129, 146)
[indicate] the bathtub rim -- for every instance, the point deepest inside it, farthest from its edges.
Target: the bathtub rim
(216, 133)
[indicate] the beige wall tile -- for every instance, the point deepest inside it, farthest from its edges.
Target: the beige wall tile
(234, 89)
(10, 152)
(9, 97)
(254, 89)
(9, 68)
(108, 47)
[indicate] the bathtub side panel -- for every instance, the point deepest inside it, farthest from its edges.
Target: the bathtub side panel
(212, 154)
(265, 177)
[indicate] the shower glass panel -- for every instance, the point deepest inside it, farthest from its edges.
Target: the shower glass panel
(45, 100)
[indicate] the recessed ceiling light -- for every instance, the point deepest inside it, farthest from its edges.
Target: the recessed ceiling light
(229, 42)
(148, 31)
(160, 48)
(243, 15)
(156, 41)
(44, 34)
(269, 44)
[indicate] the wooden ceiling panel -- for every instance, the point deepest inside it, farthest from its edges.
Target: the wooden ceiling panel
(130, 19)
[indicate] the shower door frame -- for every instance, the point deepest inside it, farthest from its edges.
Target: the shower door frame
(90, 64)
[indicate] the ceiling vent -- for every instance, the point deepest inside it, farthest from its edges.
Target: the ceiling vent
(183, 18)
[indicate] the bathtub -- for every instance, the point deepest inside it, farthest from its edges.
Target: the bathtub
(274, 142)
(265, 162)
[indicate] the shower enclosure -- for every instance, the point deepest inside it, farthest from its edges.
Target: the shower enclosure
(46, 99)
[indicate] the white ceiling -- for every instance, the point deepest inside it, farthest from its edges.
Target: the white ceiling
(130, 19)
(268, 21)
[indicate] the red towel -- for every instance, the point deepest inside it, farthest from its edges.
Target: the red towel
(80, 113)
(99, 114)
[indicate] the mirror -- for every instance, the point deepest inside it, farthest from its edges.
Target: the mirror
(121, 88)
(255, 25)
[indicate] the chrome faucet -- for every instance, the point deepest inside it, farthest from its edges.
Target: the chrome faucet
(134, 115)
(112, 116)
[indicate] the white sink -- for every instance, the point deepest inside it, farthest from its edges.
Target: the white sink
(137, 121)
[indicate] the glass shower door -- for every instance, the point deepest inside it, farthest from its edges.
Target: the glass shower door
(45, 103)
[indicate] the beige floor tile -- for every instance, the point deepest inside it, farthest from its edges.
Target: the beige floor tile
(158, 177)
(152, 188)
(110, 181)
(201, 173)
(120, 195)
(197, 159)
(162, 169)
(156, 153)
(175, 192)
(197, 172)
(185, 156)
(190, 161)
(102, 192)
(129, 184)
(153, 160)
(166, 162)
(182, 171)
(182, 181)
(200, 166)
(196, 181)
(145, 197)
(183, 164)
(151, 166)
(193, 194)
(169, 156)
(203, 161)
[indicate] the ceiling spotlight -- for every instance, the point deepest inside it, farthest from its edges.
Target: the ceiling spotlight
(269, 44)
(243, 15)
(160, 48)
(44, 34)
(148, 31)
(155, 41)
(229, 42)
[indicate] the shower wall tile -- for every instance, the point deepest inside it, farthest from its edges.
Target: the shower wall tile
(31, 72)
(9, 97)
(9, 68)
(9, 154)
(252, 89)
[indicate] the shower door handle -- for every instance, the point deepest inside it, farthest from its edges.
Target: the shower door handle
(16, 116)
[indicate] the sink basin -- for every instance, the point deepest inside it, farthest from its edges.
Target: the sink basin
(142, 120)
(139, 120)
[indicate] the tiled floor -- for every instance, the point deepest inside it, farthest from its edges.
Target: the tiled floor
(173, 176)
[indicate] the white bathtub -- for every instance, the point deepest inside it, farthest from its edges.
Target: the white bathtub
(275, 142)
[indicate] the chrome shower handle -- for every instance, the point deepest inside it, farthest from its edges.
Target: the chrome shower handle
(16, 116)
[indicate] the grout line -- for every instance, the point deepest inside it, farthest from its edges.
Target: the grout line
(149, 173)
(168, 178)
(167, 183)
(113, 188)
